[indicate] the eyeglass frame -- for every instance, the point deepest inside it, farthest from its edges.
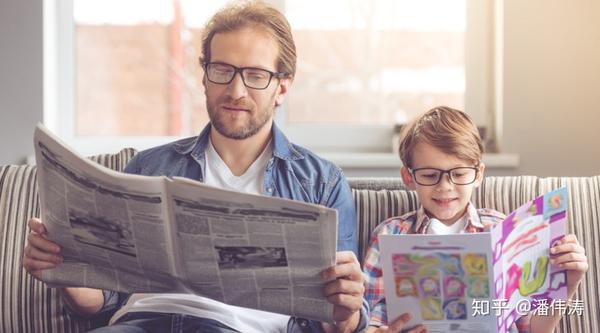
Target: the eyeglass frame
(240, 70)
(442, 172)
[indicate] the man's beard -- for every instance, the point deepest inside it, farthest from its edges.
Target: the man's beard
(219, 122)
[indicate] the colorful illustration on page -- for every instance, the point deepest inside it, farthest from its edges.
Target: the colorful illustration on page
(441, 282)
(521, 257)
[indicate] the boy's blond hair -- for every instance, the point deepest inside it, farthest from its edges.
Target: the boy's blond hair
(254, 14)
(452, 131)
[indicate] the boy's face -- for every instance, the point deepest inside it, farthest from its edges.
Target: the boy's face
(445, 200)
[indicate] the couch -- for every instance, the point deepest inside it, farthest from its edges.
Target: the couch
(27, 305)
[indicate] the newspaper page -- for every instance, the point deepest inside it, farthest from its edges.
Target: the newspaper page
(244, 250)
(523, 275)
(138, 234)
(111, 226)
(436, 278)
(478, 282)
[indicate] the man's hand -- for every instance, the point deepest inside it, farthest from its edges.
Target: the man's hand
(345, 291)
(39, 253)
(398, 326)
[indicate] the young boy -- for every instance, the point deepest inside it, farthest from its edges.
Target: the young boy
(441, 154)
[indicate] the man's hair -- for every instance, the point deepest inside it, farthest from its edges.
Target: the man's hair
(254, 14)
(452, 131)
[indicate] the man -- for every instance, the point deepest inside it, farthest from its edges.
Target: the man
(249, 60)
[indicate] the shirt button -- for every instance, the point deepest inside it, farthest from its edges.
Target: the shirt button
(269, 189)
(303, 322)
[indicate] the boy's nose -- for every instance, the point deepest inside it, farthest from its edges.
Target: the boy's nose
(445, 182)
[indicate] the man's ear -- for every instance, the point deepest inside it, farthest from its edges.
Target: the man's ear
(407, 178)
(282, 90)
(479, 178)
(204, 81)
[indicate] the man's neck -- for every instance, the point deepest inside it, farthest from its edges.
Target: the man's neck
(238, 155)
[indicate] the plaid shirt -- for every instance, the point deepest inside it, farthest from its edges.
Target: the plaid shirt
(417, 222)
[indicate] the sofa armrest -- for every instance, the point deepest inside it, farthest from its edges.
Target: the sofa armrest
(26, 304)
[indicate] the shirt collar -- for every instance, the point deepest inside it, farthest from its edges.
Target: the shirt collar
(473, 220)
(197, 145)
(282, 147)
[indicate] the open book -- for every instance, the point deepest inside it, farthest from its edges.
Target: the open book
(479, 282)
(142, 234)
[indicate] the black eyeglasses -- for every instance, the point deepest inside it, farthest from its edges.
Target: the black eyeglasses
(255, 78)
(432, 176)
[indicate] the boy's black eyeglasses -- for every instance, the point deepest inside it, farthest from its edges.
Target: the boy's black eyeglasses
(254, 78)
(432, 176)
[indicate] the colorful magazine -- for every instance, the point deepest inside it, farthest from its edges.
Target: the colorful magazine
(478, 282)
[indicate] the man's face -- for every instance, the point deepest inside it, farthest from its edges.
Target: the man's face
(236, 111)
(444, 201)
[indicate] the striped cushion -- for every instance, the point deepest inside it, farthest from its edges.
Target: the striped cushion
(26, 305)
(378, 199)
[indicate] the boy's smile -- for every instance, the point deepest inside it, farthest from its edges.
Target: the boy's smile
(445, 200)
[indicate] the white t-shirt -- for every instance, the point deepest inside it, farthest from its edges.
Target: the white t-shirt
(242, 319)
(437, 227)
(217, 173)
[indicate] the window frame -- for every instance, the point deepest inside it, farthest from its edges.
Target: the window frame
(59, 91)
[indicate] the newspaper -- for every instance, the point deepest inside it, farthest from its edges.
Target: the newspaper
(478, 282)
(140, 234)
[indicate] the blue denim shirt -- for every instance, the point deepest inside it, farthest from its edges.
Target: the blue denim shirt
(293, 172)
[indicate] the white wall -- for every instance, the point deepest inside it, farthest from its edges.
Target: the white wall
(552, 86)
(20, 77)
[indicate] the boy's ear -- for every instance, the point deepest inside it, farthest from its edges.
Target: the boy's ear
(480, 174)
(407, 178)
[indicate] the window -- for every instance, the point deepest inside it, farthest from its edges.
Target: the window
(129, 74)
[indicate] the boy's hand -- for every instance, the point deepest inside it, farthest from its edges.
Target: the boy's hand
(570, 255)
(40, 253)
(398, 326)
